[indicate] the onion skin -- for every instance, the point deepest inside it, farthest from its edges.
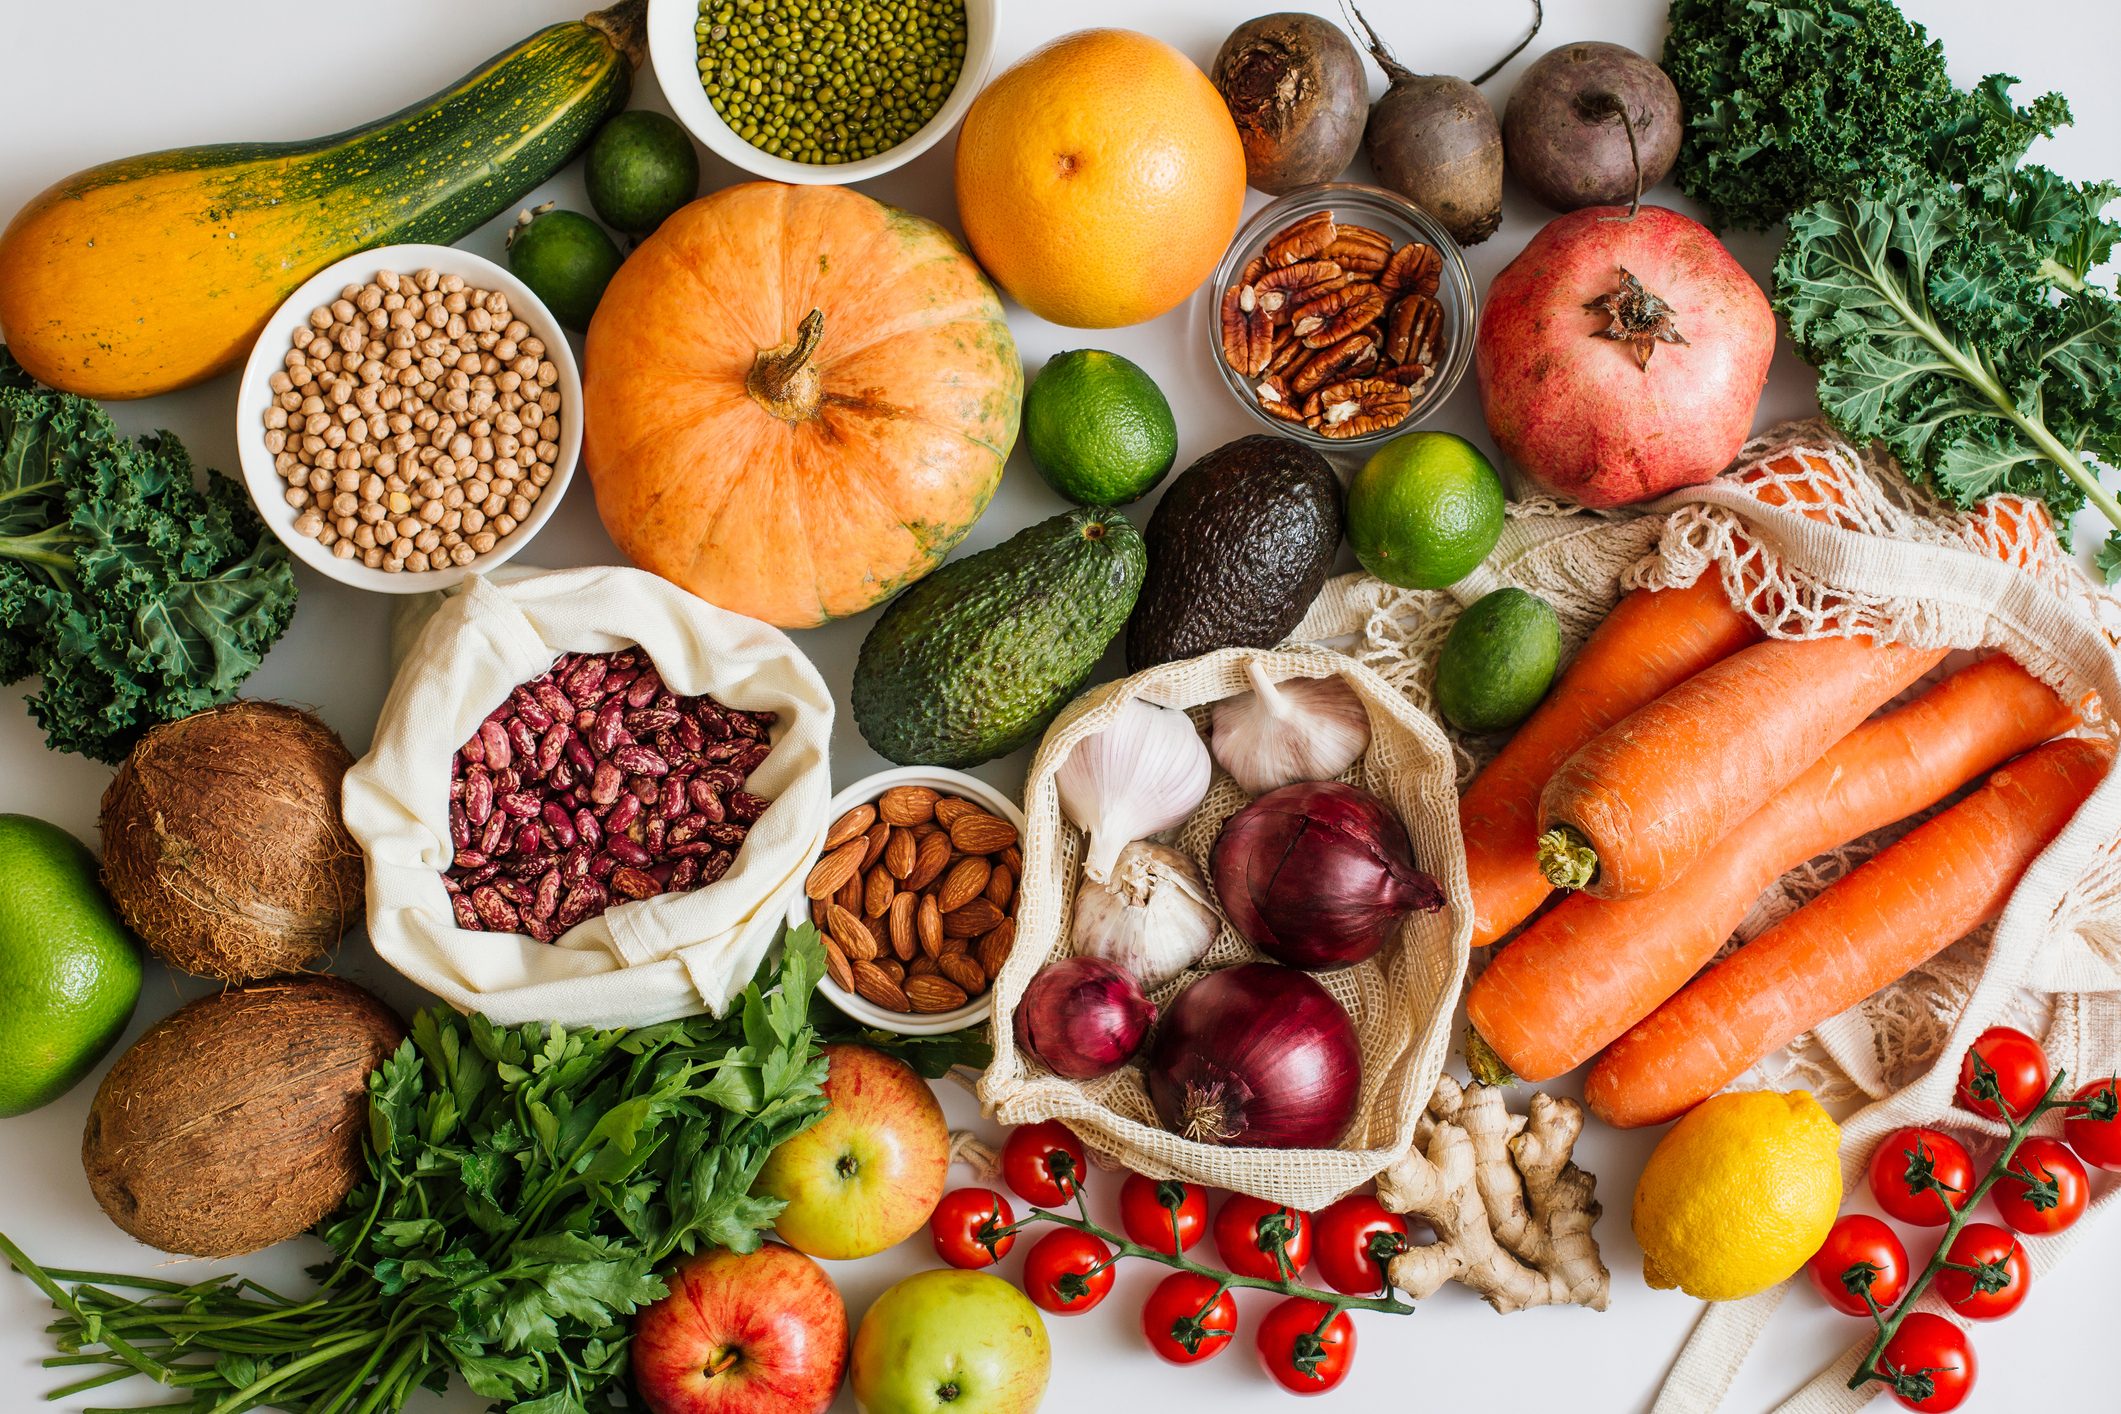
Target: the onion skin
(1317, 875)
(1256, 1056)
(1296, 89)
(1083, 1017)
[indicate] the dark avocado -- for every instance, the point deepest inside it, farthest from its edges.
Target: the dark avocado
(1238, 548)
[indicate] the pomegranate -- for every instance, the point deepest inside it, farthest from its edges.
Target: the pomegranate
(1620, 358)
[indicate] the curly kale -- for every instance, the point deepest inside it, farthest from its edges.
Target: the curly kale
(136, 597)
(1789, 101)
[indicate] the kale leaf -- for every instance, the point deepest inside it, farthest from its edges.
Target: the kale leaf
(1956, 325)
(135, 596)
(1788, 101)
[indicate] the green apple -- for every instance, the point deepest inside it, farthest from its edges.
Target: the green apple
(870, 1171)
(951, 1342)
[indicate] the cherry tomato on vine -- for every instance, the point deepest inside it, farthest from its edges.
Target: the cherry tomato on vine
(1353, 1239)
(1911, 1165)
(1147, 1207)
(957, 1222)
(1248, 1230)
(2017, 1071)
(1999, 1287)
(1043, 1163)
(1928, 1364)
(1859, 1252)
(2045, 1188)
(2093, 1126)
(1305, 1356)
(1187, 1319)
(1068, 1272)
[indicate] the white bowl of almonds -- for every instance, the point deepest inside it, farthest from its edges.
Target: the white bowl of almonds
(914, 895)
(411, 415)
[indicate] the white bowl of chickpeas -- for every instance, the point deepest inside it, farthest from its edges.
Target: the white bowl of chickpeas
(411, 415)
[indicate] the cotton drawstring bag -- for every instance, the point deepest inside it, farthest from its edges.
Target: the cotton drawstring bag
(672, 955)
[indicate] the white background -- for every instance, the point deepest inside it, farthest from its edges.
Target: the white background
(96, 79)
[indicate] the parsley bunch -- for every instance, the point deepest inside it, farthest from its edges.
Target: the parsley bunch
(136, 597)
(525, 1186)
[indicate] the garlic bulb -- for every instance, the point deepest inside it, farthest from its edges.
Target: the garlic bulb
(1153, 917)
(1143, 773)
(1305, 729)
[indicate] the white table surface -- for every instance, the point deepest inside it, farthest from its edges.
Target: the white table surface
(95, 79)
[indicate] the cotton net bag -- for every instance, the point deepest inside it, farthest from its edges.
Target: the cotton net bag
(1812, 539)
(653, 960)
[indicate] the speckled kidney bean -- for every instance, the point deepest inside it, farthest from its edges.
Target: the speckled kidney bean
(595, 783)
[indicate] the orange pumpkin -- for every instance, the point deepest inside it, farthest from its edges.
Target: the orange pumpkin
(797, 400)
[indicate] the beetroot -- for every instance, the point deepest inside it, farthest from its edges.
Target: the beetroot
(1620, 358)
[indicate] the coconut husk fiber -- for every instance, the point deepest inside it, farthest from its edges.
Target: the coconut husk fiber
(223, 845)
(238, 1121)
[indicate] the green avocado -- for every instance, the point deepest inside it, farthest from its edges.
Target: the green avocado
(1238, 548)
(974, 661)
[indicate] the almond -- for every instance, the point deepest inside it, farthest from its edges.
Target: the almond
(855, 822)
(877, 893)
(893, 968)
(981, 833)
(993, 948)
(879, 836)
(964, 971)
(836, 868)
(928, 923)
(962, 884)
(933, 854)
(851, 933)
(974, 918)
(923, 966)
(1001, 884)
(951, 808)
(874, 985)
(1012, 858)
(903, 941)
(849, 896)
(837, 966)
(901, 852)
(907, 805)
(932, 994)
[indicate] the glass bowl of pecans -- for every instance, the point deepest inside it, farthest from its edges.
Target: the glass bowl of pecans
(1341, 315)
(914, 896)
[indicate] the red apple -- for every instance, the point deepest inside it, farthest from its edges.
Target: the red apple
(760, 1332)
(866, 1175)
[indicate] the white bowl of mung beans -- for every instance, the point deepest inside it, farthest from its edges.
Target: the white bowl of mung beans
(820, 93)
(409, 416)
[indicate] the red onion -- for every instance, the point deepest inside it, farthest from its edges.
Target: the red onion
(1083, 1017)
(1259, 1056)
(1317, 874)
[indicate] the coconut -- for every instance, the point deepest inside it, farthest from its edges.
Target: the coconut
(222, 842)
(238, 1121)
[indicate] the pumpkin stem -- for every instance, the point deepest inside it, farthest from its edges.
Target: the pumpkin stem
(782, 379)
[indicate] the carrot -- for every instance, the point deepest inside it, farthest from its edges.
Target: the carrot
(1937, 883)
(1591, 967)
(1636, 806)
(1653, 640)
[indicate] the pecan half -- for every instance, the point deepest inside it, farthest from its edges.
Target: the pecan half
(1332, 316)
(1305, 240)
(1288, 353)
(1292, 285)
(1275, 400)
(1254, 268)
(1358, 407)
(1414, 331)
(1350, 356)
(1415, 268)
(1412, 376)
(1248, 329)
(1360, 249)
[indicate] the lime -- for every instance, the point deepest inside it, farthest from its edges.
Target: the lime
(1497, 661)
(1424, 510)
(1098, 428)
(567, 260)
(640, 168)
(69, 972)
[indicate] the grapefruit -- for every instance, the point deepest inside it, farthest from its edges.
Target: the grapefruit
(1099, 178)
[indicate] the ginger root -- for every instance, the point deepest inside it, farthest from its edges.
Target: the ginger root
(1512, 1214)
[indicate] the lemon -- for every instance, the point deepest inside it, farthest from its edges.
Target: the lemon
(69, 972)
(1739, 1194)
